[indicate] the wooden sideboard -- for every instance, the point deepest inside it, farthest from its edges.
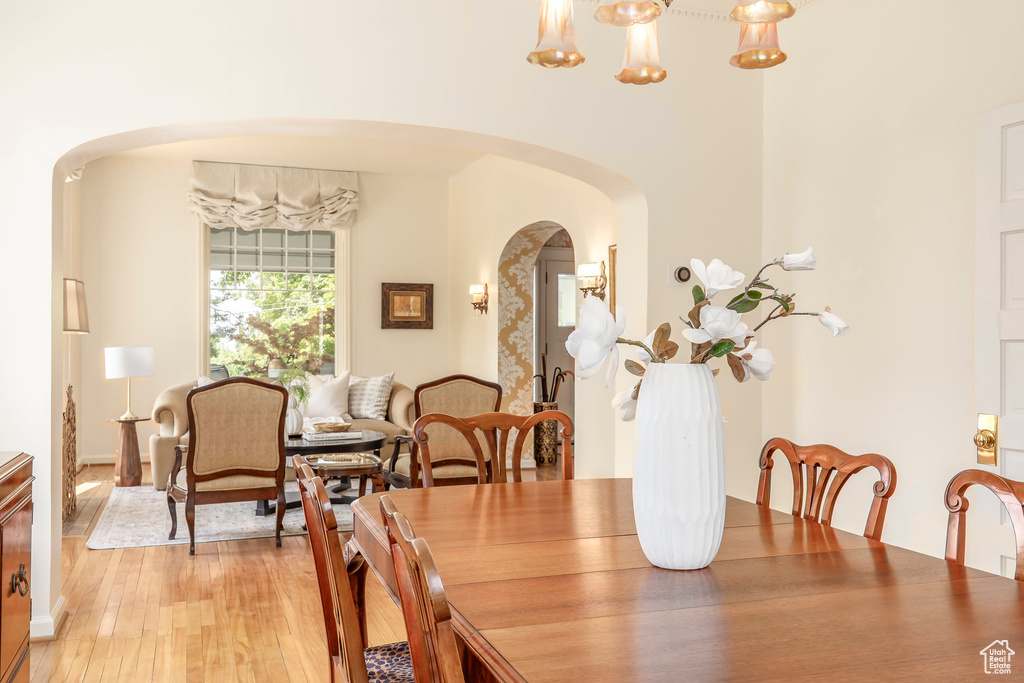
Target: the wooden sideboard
(15, 565)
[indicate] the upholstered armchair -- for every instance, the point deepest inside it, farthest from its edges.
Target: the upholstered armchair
(453, 461)
(170, 417)
(235, 450)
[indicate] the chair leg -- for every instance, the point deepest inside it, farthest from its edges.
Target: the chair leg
(173, 507)
(357, 576)
(190, 519)
(281, 505)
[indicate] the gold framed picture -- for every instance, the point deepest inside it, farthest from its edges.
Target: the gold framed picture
(406, 306)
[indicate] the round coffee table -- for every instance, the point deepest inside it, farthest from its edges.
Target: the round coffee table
(368, 441)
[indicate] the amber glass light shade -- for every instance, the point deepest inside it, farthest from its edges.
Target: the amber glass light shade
(759, 47)
(556, 36)
(642, 63)
(762, 11)
(625, 13)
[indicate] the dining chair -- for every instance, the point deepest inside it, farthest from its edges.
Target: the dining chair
(1010, 492)
(819, 474)
(340, 577)
(428, 618)
(492, 430)
(235, 450)
(458, 395)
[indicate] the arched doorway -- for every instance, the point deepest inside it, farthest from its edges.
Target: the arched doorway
(517, 324)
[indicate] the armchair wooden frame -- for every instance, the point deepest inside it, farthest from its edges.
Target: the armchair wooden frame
(428, 618)
(819, 474)
(191, 497)
(496, 429)
(415, 479)
(1009, 492)
(341, 577)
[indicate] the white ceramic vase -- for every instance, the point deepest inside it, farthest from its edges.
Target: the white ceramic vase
(292, 418)
(679, 473)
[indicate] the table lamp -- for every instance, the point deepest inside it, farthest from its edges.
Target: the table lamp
(125, 362)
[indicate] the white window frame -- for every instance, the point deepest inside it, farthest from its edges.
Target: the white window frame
(342, 301)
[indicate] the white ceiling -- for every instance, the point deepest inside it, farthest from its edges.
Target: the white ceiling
(339, 153)
(719, 6)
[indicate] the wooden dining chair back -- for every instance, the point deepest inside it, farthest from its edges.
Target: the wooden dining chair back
(1009, 492)
(337, 578)
(235, 450)
(819, 474)
(428, 618)
(493, 431)
(458, 395)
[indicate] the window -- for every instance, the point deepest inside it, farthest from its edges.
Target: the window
(567, 299)
(272, 296)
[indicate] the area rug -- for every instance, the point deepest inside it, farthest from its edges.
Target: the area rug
(137, 516)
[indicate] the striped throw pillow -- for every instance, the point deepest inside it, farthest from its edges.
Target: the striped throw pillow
(368, 397)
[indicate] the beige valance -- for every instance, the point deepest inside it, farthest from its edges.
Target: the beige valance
(252, 197)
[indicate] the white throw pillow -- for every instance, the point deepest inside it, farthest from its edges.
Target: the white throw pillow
(368, 397)
(204, 381)
(328, 396)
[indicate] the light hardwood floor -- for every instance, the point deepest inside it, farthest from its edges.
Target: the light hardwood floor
(239, 610)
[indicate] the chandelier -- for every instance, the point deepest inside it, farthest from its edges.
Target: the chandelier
(557, 46)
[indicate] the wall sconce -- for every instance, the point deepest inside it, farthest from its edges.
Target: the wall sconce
(592, 279)
(478, 294)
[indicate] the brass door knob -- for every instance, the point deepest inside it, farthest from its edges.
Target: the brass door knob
(985, 440)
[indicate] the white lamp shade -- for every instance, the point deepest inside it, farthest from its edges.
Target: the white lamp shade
(476, 290)
(121, 362)
(76, 315)
(588, 270)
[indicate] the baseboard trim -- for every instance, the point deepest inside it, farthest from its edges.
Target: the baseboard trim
(46, 628)
(103, 459)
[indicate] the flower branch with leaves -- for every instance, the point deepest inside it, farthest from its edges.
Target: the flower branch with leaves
(713, 331)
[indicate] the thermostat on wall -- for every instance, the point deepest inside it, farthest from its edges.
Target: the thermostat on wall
(678, 275)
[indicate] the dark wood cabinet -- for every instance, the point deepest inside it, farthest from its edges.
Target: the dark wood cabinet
(15, 565)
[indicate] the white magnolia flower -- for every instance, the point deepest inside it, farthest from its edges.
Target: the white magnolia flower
(594, 338)
(718, 323)
(803, 261)
(759, 362)
(834, 323)
(626, 404)
(716, 276)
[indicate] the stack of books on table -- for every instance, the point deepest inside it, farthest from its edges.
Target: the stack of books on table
(330, 437)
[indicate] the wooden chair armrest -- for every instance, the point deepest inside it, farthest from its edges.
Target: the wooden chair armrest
(399, 440)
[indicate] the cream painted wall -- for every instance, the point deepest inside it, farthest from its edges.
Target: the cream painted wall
(490, 201)
(870, 140)
(691, 145)
(140, 255)
(142, 247)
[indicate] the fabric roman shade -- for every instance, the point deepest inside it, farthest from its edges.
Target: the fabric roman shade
(253, 197)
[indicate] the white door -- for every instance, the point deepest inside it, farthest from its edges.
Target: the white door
(1000, 326)
(556, 319)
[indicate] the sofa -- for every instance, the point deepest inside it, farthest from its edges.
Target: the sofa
(171, 419)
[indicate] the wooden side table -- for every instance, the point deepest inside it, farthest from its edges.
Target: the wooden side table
(127, 463)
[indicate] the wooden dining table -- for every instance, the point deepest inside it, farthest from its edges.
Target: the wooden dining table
(547, 582)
